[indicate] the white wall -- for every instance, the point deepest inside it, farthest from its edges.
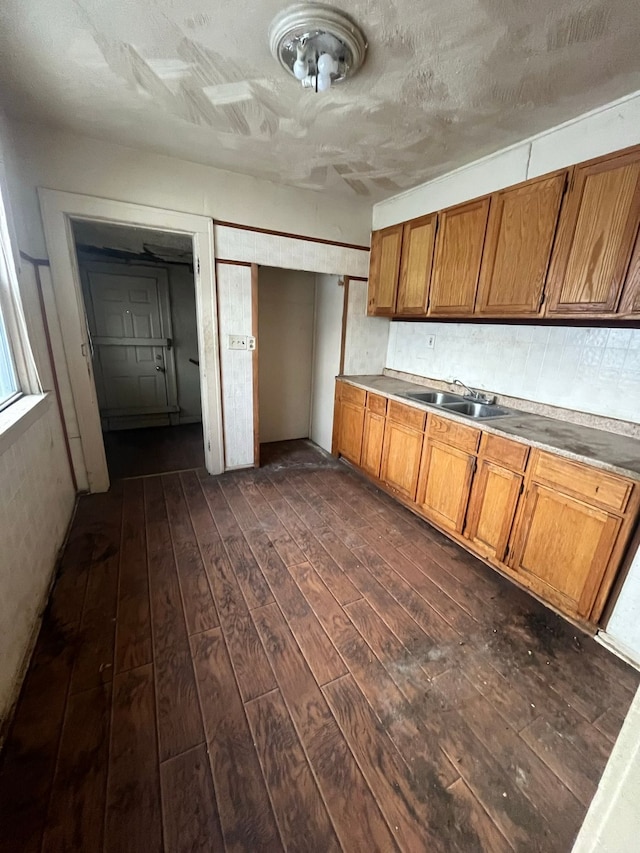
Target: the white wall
(589, 370)
(63, 161)
(285, 348)
(326, 356)
(612, 822)
(623, 627)
(236, 366)
(36, 502)
(365, 350)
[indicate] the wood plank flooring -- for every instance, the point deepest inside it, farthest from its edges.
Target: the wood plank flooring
(153, 450)
(285, 659)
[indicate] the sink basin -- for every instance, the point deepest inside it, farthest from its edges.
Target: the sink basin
(477, 411)
(436, 398)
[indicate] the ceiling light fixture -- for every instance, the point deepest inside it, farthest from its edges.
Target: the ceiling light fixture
(318, 44)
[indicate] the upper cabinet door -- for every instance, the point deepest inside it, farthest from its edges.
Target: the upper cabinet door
(630, 301)
(522, 225)
(417, 257)
(384, 268)
(595, 236)
(456, 268)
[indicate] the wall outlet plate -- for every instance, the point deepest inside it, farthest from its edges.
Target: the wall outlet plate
(237, 342)
(431, 341)
(251, 342)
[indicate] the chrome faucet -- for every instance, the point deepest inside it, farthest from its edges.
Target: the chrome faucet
(473, 394)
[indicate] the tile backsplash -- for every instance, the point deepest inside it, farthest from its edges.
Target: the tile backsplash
(588, 369)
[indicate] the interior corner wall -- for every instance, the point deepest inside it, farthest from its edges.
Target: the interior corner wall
(285, 352)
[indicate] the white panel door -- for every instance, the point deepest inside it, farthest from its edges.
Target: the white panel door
(130, 325)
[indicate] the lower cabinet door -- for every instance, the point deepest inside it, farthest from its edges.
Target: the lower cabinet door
(401, 452)
(351, 425)
(492, 508)
(563, 547)
(445, 481)
(372, 441)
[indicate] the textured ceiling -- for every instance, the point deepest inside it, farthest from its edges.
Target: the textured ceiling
(444, 82)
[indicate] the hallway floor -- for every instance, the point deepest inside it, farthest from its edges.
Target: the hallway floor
(285, 658)
(153, 450)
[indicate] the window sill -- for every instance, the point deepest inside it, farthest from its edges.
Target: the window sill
(16, 419)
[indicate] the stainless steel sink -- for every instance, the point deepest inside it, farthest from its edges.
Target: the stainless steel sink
(436, 398)
(477, 411)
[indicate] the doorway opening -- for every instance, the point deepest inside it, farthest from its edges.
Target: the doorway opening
(300, 334)
(139, 297)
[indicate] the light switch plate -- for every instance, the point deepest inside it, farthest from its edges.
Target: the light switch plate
(237, 342)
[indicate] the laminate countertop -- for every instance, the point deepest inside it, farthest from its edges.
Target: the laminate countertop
(606, 450)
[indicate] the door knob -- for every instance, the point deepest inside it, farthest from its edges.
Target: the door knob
(160, 369)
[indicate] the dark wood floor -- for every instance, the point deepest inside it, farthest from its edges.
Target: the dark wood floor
(153, 450)
(285, 658)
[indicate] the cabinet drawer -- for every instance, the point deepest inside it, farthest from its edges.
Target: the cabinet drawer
(353, 395)
(590, 484)
(457, 435)
(376, 404)
(406, 415)
(508, 454)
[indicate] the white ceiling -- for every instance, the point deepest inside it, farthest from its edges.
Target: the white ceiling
(444, 82)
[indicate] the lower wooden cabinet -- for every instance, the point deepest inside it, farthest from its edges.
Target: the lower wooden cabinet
(563, 547)
(497, 486)
(401, 450)
(492, 508)
(568, 539)
(373, 435)
(557, 526)
(445, 481)
(351, 422)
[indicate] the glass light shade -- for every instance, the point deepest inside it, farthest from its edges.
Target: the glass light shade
(300, 69)
(327, 65)
(324, 82)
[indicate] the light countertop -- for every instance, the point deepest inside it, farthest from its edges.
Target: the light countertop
(606, 450)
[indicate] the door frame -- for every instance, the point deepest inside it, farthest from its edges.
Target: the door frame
(59, 209)
(161, 274)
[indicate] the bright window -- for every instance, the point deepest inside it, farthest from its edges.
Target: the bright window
(8, 380)
(18, 372)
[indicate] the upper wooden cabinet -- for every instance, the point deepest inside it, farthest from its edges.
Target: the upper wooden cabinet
(597, 230)
(565, 244)
(456, 268)
(384, 269)
(415, 270)
(630, 300)
(520, 232)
